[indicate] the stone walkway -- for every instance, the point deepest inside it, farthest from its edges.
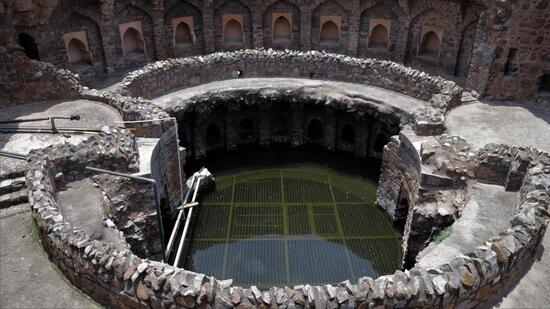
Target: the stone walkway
(27, 278)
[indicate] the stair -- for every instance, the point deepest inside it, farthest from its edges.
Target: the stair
(13, 190)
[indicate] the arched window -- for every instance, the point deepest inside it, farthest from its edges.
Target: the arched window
(183, 36)
(545, 83)
(246, 129)
(132, 42)
(29, 45)
(233, 33)
(378, 37)
(213, 135)
(281, 30)
(280, 126)
(329, 33)
(315, 130)
(429, 45)
(381, 141)
(77, 52)
(348, 134)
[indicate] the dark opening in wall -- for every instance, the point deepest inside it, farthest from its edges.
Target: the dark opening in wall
(281, 30)
(213, 135)
(183, 37)
(381, 141)
(429, 46)
(329, 33)
(315, 131)
(401, 211)
(29, 45)
(545, 83)
(510, 67)
(246, 129)
(280, 126)
(348, 134)
(78, 53)
(378, 37)
(233, 33)
(132, 42)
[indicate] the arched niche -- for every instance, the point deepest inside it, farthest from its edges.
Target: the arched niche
(544, 84)
(348, 134)
(379, 37)
(280, 126)
(78, 52)
(29, 46)
(430, 44)
(329, 33)
(213, 135)
(233, 32)
(282, 30)
(183, 35)
(315, 131)
(380, 142)
(132, 42)
(246, 129)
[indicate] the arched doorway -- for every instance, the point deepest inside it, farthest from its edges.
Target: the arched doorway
(315, 131)
(378, 37)
(246, 129)
(281, 30)
(183, 37)
(132, 42)
(213, 135)
(329, 33)
(78, 53)
(233, 33)
(429, 46)
(348, 134)
(29, 45)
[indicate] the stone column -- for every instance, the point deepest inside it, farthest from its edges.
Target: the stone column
(297, 125)
(199, 132)
(208, 26)
(362, 139)
(108, 34)
(232, 128)
(305, 29)
(257, 24)
(264, 125)
(330, 129)
(158, 29)
(354, 23)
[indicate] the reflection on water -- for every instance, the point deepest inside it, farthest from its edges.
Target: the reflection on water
(292, 224)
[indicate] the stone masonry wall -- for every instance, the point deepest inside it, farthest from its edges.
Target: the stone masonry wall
(117, 278)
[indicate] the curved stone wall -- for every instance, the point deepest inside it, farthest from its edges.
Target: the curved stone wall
(118, 278)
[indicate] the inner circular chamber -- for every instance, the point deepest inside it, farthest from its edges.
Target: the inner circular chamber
(285, 216)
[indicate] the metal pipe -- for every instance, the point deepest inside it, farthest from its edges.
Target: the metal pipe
(178, 220)
(72, 117)
(156, 196)
(49, 130)
(13, 155)
(186, 226)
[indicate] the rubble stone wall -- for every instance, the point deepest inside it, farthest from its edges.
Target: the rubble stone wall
(117, 278)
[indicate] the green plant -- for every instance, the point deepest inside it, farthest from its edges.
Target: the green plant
(106, 208)
(446, 232)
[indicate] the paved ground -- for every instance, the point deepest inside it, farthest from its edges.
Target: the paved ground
(488, 212)
(310, 87)
(93, 115)
(27, 278)
(501, 122)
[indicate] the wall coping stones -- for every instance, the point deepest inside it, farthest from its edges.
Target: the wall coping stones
(118, 278)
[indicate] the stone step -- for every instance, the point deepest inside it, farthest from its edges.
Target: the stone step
(14, 198)
(12, 185)
(13, 174)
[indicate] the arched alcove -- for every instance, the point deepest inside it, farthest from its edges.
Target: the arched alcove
(78, 53)
(348, 134)
(132, 42)
(183, 36)
(213, 135)
(233, 33)
(329, 33)
(429, 45)
(378, 37)
(544, 86)
(29, 45)
(281, 30)
(380, 142)
(280, 126)
(246, 129)
(315, 130)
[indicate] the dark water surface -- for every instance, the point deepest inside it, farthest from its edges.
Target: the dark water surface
(277, 223)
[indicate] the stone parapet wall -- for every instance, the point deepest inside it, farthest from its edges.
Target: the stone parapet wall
(164, 76)
(117, 278)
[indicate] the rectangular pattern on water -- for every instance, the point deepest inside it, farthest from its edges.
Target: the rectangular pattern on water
(292, 225)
